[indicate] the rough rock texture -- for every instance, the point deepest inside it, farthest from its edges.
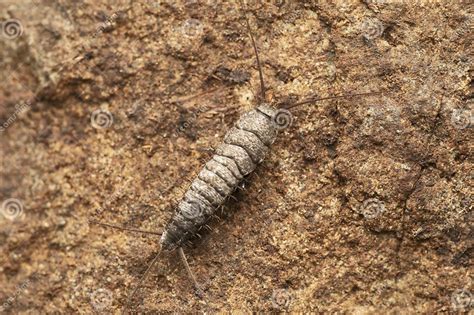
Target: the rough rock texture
(364, 205)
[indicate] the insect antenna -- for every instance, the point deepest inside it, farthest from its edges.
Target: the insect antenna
(123, 228)
(140, 282)
(260, 72)
(190, 273)
(312, 100)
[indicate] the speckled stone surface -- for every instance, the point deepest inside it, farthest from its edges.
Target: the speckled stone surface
(363, 205)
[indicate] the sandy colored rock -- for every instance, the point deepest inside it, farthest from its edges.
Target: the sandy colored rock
(108, 109)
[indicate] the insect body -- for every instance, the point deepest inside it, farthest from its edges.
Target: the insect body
(245, 146)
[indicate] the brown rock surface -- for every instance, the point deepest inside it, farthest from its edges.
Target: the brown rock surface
(363, 206)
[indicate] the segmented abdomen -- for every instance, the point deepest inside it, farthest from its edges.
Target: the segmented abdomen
(245, 145)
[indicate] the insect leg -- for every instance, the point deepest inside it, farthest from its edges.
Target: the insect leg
(143, 277)
(260, 72)
(190, 273)
(312, 100)
(123, 228)
(207, 150)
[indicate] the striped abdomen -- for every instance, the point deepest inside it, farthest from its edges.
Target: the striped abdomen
(245, 145)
